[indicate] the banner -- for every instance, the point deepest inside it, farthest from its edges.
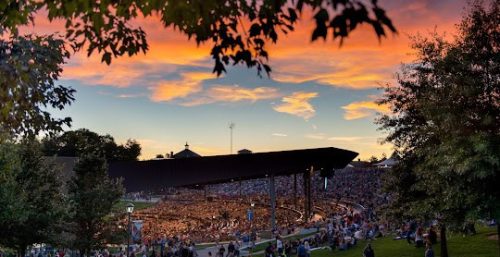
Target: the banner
(249, 214)
(136, 231)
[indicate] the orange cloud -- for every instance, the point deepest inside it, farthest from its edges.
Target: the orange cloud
(363, 109)
(346, 139)
(317, 136)
(362, 62)
(170, 90)
(298, 104)
(235, 93)
(90, 71)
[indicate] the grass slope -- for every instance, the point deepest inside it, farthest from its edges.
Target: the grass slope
(458, 246)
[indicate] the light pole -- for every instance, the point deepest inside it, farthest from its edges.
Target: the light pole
(231, 127)
(129, 209)
(251, 215)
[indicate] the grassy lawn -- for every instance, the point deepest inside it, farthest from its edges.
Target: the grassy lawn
(120, 206)
(458, 246)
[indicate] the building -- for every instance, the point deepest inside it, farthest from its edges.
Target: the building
(186, 153)
(244, 151)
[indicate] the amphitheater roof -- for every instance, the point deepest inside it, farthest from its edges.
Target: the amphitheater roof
(157, 174)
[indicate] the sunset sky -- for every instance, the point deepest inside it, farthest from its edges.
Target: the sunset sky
(319, 95)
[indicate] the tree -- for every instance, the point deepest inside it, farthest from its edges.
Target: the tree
(92, 196)
(237, 30)
(29, 68)
(445, 123)
(130, 151)
(74, 143)
(30, 196)
(373, 159)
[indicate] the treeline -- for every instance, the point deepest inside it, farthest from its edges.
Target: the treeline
(39, 205)
(77, 142)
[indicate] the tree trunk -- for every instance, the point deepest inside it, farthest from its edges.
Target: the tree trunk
(444, 244)
(498, 236)
(22, 251)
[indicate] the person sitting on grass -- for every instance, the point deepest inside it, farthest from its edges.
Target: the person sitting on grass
(270, 250)
(342, 245)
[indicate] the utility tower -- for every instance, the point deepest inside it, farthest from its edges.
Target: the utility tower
(231, 127)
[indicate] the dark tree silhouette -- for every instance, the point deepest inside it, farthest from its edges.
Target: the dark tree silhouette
(81, 141)
(445, 124)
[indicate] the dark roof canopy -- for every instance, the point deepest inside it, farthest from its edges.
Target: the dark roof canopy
(157, 174)
(186, 153)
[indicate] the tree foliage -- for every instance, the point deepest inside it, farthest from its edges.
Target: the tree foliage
(237, 30)
(77, 142)
(92, 195)
(445, 123)
(29, 68)
(30, 195)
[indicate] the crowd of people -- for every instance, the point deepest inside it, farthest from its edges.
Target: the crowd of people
(207, 221)
(344, 214)
(219, 212)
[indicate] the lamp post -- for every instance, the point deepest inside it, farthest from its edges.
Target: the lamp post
(252, 216)
(129, 209)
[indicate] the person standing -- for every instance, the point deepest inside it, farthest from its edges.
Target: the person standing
(301, 250)
(279, 245)
(428, 250)
(368, 252)
(419, 237)
(230, 249)
(308, 248)
(432, 235)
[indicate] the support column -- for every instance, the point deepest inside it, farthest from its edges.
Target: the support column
(307, 194)
(272, 196)
(295, 190)
(305, 178)
(309, 187)
(240, 188)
